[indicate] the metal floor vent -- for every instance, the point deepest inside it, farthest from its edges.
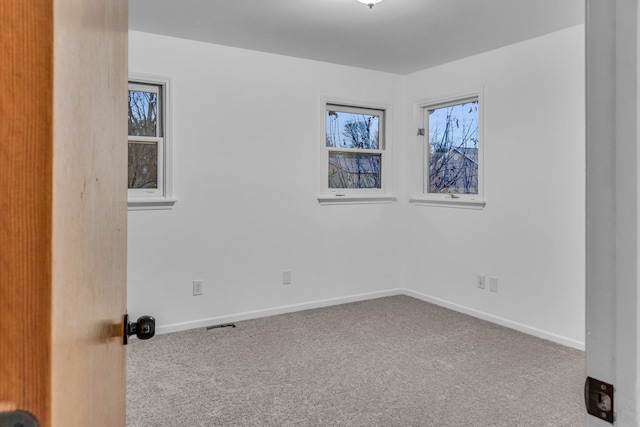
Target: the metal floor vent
(224, 325)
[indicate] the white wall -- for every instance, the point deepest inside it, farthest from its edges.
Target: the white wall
(246, 147)
(531, 233)
(247, 128)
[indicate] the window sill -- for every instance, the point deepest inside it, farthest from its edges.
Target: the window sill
(351, 199)
(151, 203)
(448, 202)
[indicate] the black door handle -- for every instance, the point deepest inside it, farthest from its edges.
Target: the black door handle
(144, 328)
(18, 419)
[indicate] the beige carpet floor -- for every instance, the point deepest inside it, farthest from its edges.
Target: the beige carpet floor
(394, 361)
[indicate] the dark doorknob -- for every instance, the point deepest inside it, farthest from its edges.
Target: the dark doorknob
(18, 419)
(144, 328)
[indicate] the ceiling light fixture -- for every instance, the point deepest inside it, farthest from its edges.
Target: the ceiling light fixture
(370, 3)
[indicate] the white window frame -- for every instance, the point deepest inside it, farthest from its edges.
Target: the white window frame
(161, 197)
(422, 196)
(329, 196)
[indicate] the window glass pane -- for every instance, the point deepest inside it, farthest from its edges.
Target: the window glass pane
(143, 113)
(354, 170)
(352, 130)
(143, 164)
(453, 149)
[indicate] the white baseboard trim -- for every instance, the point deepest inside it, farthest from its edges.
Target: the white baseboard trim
(559, 339)
(237, 317)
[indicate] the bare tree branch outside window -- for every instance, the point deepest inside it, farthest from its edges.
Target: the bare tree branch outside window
(143, 155)
(453, 149)
(353, 169)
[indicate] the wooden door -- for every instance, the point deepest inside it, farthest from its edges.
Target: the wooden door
(63, 74)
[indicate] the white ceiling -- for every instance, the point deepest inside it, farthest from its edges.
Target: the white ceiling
(397, 36)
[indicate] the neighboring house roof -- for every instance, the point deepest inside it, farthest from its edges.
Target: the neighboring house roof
(354, 165)
(469, 153)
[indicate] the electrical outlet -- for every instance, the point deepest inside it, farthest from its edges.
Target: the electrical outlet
(481, 280)
(286, 277)
(197, 287)
(493, 284)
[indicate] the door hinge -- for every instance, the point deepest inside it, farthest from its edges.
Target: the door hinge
(598, 398)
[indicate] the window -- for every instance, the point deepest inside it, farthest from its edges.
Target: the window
(355, 154)
(452, 152)
(149, 154)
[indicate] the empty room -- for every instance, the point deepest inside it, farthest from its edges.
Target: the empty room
(260, 214)
(327, 212)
